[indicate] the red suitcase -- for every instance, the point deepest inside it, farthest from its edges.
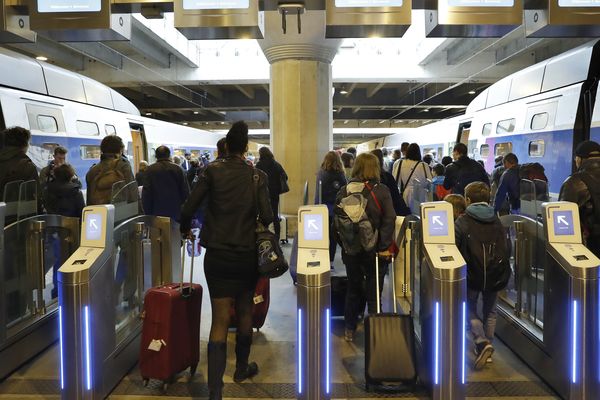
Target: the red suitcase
(261, 304)
(171, 330)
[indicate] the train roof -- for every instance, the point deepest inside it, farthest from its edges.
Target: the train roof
(20, 72)
(574, 66)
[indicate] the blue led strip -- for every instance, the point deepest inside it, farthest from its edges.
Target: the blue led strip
(300, 351)
(437, 343)
(88, 361)
(327, 338)
(60, 336)
(574, 349)
(464, 328)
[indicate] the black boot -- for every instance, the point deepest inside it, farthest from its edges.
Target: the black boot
(243, 369)
(217, 359)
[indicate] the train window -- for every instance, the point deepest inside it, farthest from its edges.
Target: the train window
(506, 126)
(501, 149)
(196, 154)
(179, 152)
(539, 121)
(89, 152)
(47, 123)
(484, 150)
(487, 129)
(87, 128)
(110, 129)
(537, 148)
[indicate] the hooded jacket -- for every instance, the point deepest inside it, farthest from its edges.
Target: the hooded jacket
(64, 198)
(15, 165)
(462, 172)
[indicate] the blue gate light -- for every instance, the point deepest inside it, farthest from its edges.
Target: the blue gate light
(574, 345)
(328, 339)
(60, 338)
(299, 351)
(464, 328)
(437, 343)
(88, 361)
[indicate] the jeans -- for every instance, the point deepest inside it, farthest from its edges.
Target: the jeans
(360, 269)
(482, 328)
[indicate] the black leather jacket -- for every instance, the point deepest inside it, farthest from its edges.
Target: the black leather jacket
(227, 185)
(576, 191)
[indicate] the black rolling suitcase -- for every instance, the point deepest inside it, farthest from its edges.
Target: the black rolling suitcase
(389, 344)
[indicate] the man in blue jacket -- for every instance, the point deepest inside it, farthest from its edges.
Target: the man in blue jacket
(509, 185)
(165, 187)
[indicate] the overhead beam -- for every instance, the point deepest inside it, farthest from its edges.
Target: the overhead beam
(247, 91)
(147, 46)
(351, 89)
(374, 89)
(99, 52)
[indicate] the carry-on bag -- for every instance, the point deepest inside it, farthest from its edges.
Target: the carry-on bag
(261, 304)
(283, 231)
(389, 343)
(294, 259)
(171, 329)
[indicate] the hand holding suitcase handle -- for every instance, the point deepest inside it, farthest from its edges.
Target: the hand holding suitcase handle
(186, 293)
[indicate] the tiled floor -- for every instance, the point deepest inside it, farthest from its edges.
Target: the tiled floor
(274, 351)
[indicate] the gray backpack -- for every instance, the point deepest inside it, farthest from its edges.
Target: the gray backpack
(354, 230)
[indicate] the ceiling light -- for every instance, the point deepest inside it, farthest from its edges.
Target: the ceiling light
(471, 92)
(343, 91)
(346, 121)
(398, 121)
(196, 112)
(222, 122)
(185, 123)
(382, 121)
(41, 58)
(148, 114)
(364, 121)
(426, 110)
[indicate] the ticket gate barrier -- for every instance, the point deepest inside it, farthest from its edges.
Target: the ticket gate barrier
(442, 310)
(35, 248)
(313, 304)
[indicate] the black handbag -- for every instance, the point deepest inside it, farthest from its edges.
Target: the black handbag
(283, 181)
(271, 261)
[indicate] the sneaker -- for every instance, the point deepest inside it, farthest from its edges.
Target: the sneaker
(484, 351)
(349, 335)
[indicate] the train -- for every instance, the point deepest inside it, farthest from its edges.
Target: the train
(63, 108)
(539, 113)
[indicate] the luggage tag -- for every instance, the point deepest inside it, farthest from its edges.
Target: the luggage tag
(258, 299)
(156, 344)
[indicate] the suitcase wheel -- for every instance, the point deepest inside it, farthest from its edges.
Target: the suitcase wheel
(284, 241)
(146, 380)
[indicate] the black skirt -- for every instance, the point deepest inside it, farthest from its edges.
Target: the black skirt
(229, 273)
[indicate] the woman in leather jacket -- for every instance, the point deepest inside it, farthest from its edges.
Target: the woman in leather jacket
(233, 204)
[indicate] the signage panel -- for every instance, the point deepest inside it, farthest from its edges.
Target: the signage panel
(481, 3)
(313, 226)
(563, 223)
(93, 226)
(368, 3)
(579, 3)
(437, 223)
(65, 6)
(215, 4)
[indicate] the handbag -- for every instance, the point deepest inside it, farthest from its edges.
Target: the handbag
(283, 182)
(271, 261)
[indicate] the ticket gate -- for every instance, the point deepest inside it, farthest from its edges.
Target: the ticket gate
(313, 306)
(442, 311)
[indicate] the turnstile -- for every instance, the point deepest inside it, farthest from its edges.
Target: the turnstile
(443, 310)
(313, 306)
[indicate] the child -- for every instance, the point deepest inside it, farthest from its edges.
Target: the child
(439, 192)
(483, 242)
(458, 204)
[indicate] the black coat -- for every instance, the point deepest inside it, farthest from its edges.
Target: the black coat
(15, 166)
(399, 204)
(64, 198)
(463, 171)
(165, 189)
(275, 173)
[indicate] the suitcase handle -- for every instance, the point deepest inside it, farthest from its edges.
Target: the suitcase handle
(393, 283)
(186, 293)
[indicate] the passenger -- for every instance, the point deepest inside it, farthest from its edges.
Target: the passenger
(352, 150)
(411, 173)
(388, 180)
(139, 177)
(459, 205)
(348, 161)
(47, 173)
(64, 195)
(360, 268)
(404, 149)
(165, 187)
(388, 162)
(15, 165)
(463, 171)
(112, 168)
(185, 164)
(482, 241)
(446, 160)
(276, 174)
(396, 155)
(509, 185)
(177, 161)
(582, 188)
(230, 262)
(438, 189)
(221, 149)
(193, 173)
(332, 178)
(428, 159)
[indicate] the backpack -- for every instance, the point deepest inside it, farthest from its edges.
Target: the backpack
(473, 172)
(486, 250)
(103, 182)
(532, 171)
(441, 192)
(354, 230)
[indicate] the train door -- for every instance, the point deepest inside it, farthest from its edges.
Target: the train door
(138, 149)
(2, 124)
(464, 130)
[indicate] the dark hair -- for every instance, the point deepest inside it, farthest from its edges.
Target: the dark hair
(347, 159)
(439, 169)
(461, 149)
(404, 147)
(195, 162)
(458, 202)
(64, 173)
(265, 154)
(397, 153)
(60, 150)
(446, 160)
(221, 151)
(511, 158)
(351, 150)
(413, 152)
(379, 154)
(162, 152)
(384, 151)
(111, 144)
(17, 137)
(428, 158)
(477, 192)
(237, 138)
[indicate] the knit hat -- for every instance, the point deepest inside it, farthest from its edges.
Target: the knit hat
(588, 149)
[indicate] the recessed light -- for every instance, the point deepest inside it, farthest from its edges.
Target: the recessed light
(41, 58)
(471, 92)
(382, 121)
(346, 121)
(222, 122)
(196, 112)
(148, 113)
(343, 91)
(426, 110)
(185, 123)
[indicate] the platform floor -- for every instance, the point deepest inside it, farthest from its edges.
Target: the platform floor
(274, 351)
